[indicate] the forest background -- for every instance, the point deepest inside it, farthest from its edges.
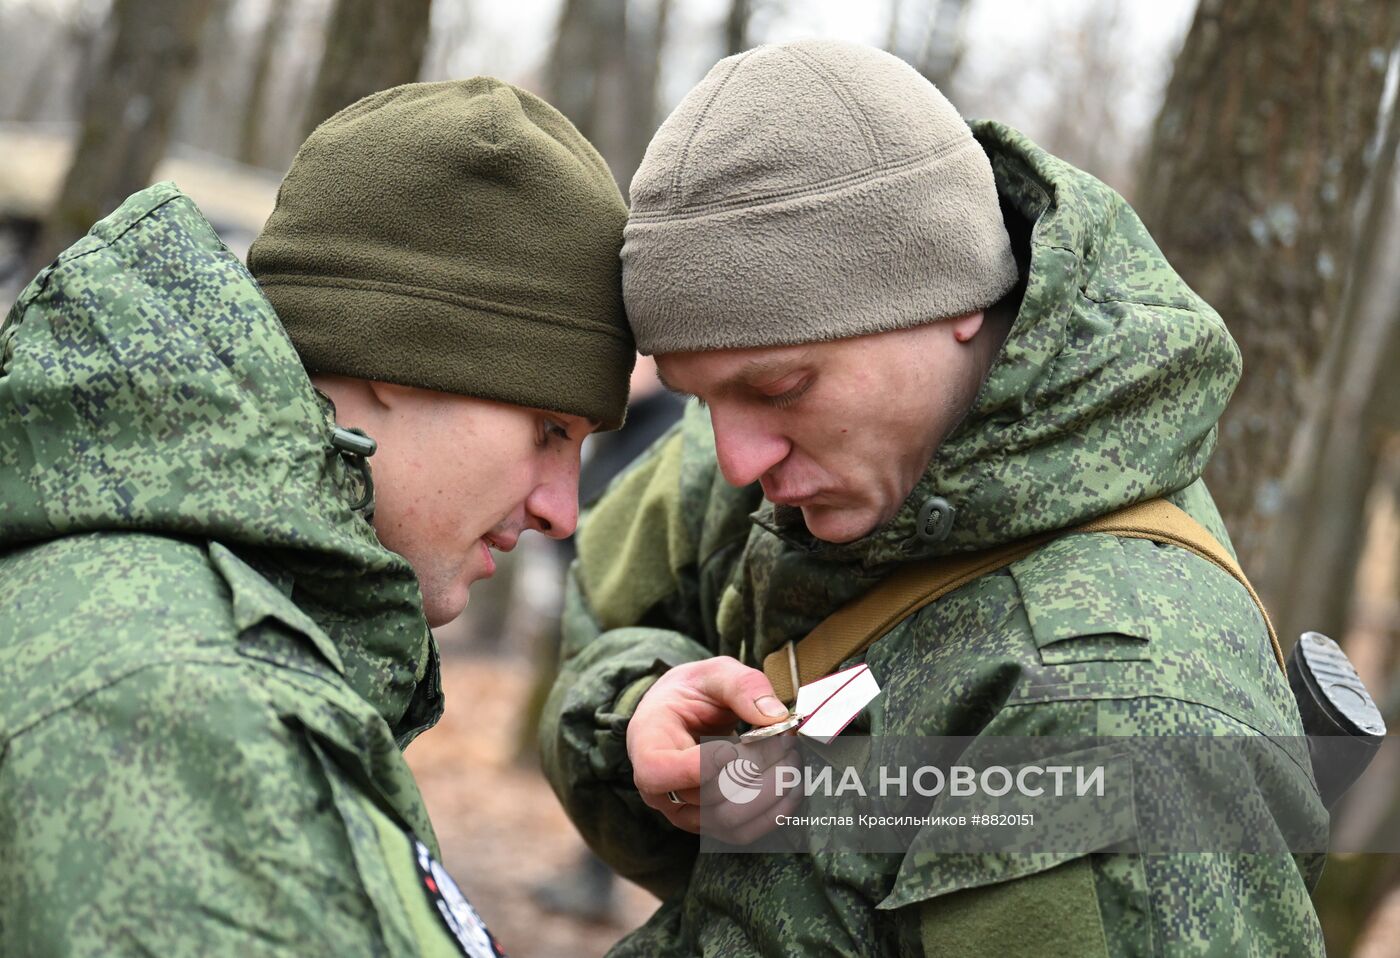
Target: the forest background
(1257, 138)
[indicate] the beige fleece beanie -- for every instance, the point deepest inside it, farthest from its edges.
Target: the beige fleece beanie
(805, 192)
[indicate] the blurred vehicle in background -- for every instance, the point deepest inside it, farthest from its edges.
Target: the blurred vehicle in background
(33, 157)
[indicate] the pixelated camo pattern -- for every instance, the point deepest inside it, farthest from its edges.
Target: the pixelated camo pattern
(1106, 393)
(208, 664)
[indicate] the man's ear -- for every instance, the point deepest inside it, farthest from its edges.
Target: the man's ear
(352, 397)
(387, 395)
(966, 327)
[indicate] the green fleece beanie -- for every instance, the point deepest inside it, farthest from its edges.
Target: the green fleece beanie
(458, 236)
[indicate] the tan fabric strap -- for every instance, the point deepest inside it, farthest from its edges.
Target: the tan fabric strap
(852, 628)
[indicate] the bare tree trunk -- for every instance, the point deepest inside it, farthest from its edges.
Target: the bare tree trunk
(92, 24)
(1390, 476)
(611, 101)
(1249, 186)
(604, 72)
(34, 93)
(250, 148)
(452, 26)
(204, 118)
(126, 117)
(569, 73)
(1087, 129)
(587, 69)
(1312, 557)
(371, 45)
(944, 42)
(935, 45)
(292, 79)
(736, 27)
(643, 89)
(892, 25)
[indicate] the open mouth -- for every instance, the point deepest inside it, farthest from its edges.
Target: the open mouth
(503, 542)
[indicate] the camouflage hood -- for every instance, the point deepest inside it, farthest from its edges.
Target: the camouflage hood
(146, 385)
(1106, 392)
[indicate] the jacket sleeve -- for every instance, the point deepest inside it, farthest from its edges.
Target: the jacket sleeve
(1179, 898)
(652, 555)
(175, 811)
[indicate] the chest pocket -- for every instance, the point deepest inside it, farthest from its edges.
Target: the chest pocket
(1081, 599)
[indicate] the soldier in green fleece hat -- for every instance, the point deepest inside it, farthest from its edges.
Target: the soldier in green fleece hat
(914, 343)
(232, 507)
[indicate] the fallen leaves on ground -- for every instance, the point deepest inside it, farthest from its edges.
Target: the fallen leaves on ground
(501, 828)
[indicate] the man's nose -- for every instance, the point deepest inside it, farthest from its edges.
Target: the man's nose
(745, 449)
(552, 507)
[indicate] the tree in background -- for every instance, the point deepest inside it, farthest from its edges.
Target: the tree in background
(585, 72)
(296, 62)
(1353, 410)
(70, 37)
(1087, 127)
(450, 53)
(1270, 185)
(250, 127)
(1250, 185)
(646, 40)
(370, 46)
(126, 117)
(604, 72)
(1343, 479)
(210, 100)
(736, 26)
(929, 35)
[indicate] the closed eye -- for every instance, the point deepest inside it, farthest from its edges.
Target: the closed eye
(786, 399)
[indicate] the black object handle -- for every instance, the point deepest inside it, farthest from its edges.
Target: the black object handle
(1343, 725)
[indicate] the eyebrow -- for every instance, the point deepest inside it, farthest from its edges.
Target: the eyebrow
(743, 376)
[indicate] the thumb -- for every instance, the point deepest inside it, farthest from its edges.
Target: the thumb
(744, 691)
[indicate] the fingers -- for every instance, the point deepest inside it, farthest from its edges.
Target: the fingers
(682, 771)
(697, 819)
(687, 703)
(686, 771)
(695, 700)
(765, 754)
(690, 796)
(746, 819)
(658, 770)
(744, 691)
(743, 792)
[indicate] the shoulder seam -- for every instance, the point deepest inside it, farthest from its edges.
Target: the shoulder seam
(1180, 699)
(68, 704)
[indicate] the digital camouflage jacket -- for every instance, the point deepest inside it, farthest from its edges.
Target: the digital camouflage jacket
(1106, 393)
(208, 663)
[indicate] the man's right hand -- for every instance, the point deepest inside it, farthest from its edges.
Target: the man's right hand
(696, 700)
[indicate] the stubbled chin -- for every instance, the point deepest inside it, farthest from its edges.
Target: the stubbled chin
(447, 605)
(836, 525)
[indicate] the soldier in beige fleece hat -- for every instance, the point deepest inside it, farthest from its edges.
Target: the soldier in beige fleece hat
(811, 203)
(916, 340)
(815, 250)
